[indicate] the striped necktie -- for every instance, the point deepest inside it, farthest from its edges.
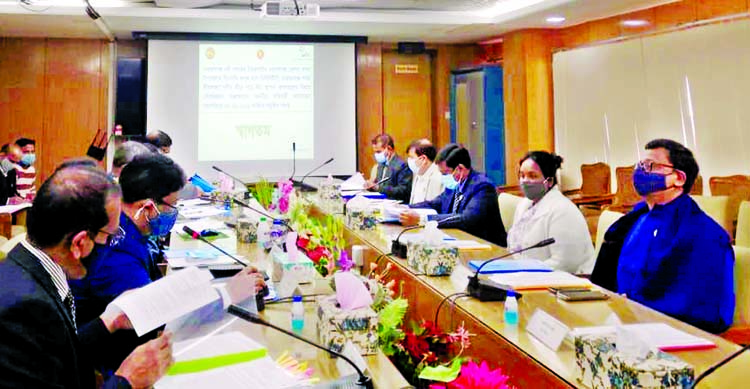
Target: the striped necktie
(71, 303)
(457, 198)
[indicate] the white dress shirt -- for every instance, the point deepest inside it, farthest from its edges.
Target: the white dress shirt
(427, 186)
(554, 216)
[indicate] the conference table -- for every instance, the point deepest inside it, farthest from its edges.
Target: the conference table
(528, 362)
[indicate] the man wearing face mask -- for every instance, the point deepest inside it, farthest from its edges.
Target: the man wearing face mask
(42, 347)
(667, 253)
(26, 172)
(469, 199)
(392, 167)
(150, 184)
(547, 213)
(428, 180)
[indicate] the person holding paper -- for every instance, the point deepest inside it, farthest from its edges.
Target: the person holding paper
(74, 211)
(390, 167)
(667, 253)
(469, 199)
(150, 184)
(428, 180)
(547, 213)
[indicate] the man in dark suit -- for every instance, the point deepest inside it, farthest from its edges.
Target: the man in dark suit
(8, 174)
(76, 209)
(469, 199)
(391, 166)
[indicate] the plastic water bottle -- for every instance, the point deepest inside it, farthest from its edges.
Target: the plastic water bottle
(264, 233)
(298, 314)
(511, 309)
(277, 233)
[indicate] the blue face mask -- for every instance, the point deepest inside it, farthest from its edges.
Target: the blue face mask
(28, 159)
(162, 224)
(380, 157)
(646, 183)
(449, 182)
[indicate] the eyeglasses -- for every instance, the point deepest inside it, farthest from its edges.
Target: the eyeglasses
(168, 205)
(648, 166)
(113, 239)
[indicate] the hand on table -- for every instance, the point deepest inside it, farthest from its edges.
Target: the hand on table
(148, 362)
(248, 282)
(409, 218)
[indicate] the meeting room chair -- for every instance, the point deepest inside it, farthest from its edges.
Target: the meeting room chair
(740, 331)
(606, 219)
(508, 204)
(737, 187)
(595, 180)
(7, 246)
(718, 208)
(626, 197)
(742, 237)
(697, 188)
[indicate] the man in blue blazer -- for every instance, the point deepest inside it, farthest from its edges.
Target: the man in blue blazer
(469, 199)
(76, 209)
(392, 167)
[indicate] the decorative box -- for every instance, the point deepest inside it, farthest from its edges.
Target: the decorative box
(600, 365)
(302, 266)
(430, 259)
(247, 230)
(362, 219)
(336, 326)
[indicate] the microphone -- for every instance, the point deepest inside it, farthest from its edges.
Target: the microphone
(309, 188)
(244, 185)
(294, 160)
(259, 301)
(363, 380)
(261, 213)
(399, 249)
(485, 290)
(718, 365)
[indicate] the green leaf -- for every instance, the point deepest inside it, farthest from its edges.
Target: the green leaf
(392, 315)
(442, 373)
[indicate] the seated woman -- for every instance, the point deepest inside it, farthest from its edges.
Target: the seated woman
(547, 213)
(150, 185)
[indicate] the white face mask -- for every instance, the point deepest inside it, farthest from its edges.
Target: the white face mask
(413, 164)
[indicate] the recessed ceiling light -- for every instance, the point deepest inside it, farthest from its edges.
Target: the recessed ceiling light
(555, 19)
(634, 23)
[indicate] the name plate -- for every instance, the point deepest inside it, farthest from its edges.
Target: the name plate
(550, 331)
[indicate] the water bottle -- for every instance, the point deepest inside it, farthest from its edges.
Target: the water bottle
(298, 314)
(277, 233)
(511, 309)
(264, 233)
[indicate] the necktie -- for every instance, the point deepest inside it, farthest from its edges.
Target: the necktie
(71, 303)
(457, 197)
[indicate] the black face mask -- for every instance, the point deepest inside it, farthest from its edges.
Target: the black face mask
(86, 261)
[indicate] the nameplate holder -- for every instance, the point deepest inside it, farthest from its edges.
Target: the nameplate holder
(547, 329)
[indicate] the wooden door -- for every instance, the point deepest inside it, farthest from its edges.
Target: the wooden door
(407, 97)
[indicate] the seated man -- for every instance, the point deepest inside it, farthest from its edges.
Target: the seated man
(8, 175)
(26, 172)
(469, 199)
(41, 347)
(667, 253)
(392, 167)
(150, 184)
(428, 180)
(160, 140)
(124, 153)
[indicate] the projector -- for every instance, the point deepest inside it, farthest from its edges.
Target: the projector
(286, 8)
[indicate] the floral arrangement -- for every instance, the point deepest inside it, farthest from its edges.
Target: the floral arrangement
(280, 197)
(263, 192)
(321, 239)
(473, 375)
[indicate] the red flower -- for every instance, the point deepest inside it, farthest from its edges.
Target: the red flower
(415, 346)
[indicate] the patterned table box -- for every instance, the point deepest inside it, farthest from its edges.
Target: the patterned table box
(362, 219)
(600, 365)
(336, 326)
(430, 259)
(247, 230)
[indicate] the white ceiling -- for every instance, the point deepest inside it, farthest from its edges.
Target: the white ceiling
(439, 21)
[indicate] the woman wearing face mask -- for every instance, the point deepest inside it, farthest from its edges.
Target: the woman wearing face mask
(547, 213)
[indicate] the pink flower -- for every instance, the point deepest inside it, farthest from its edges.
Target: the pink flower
(461, 336)
(475, 376)
(284, 204)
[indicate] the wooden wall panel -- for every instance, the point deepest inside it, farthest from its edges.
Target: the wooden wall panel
(22, 82)
(54, 91)
(407, 98)
(369, 101)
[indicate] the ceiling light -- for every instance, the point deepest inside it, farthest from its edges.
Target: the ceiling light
(555, 19)
(634, 23)
(503, 7)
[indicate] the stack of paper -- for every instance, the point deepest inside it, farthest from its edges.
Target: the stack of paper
(230, 360)
(200, 212)
(659, 335)
(468, 245)
(537, 280)
(354, 183)
(391, 212)
(511, 266)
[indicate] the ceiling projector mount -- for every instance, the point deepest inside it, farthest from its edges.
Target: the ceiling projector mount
(289, 9)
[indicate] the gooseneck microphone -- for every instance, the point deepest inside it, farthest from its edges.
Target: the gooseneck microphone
(309, 188)
(244, 185)
(261, 213)
(399, 249)
(363, 380)
(294, 160)
(487, 290)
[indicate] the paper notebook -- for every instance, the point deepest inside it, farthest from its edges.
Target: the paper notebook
(539, 280)
(511, 266)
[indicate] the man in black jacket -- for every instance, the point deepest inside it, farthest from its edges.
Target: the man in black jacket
(77, 208)
(390, 167)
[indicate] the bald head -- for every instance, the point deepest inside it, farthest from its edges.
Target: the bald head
(14, 153)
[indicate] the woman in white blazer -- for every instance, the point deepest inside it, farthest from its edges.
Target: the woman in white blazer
(547, 213)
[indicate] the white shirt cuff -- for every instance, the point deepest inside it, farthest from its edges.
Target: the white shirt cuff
(226, 299)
